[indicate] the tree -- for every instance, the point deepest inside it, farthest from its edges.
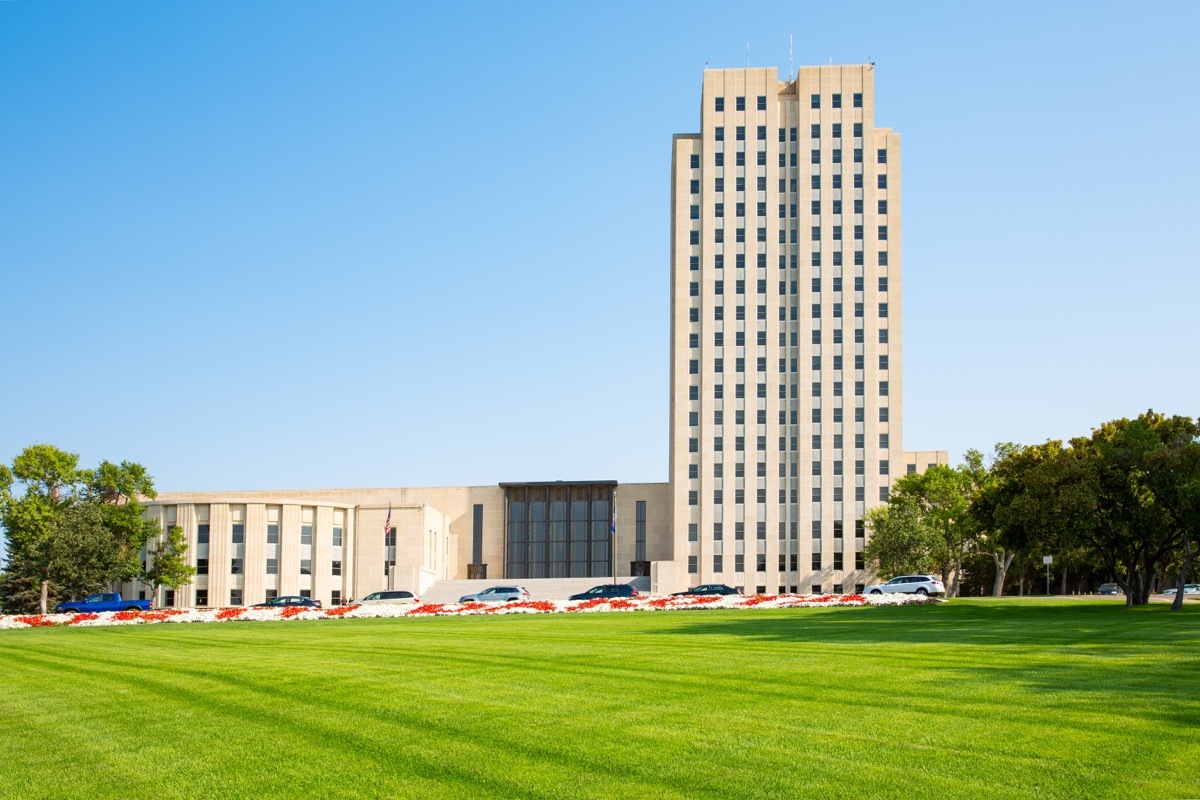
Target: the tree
(71, 531)
(166, 564)
(900, 540)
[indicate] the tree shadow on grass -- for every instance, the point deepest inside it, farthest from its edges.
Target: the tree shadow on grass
(1097, 654)
(1062, 624)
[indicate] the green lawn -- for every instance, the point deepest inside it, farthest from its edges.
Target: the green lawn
(974, 698)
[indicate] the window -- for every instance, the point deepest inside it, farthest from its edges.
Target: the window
(719, 159)
(762, 102)
(306, 566)
(814, 101)
(881, 156)
(693, 565)
(694, 212)
(239, 533)
(740, 133)
(857, 129)
(306, 534)
(719, 133)
(695, 161)
(202, 534)
(235, 566)
(883, 309)
(201, 566)
(718, 104)
(337, 568)
(202, 597)
(762, 133)
(272, 566)
(741, 103)
(858, 99)
(718, 564)
(836, 101)
(881, 181)
(235, 597)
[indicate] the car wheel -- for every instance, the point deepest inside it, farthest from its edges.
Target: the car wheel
(922, 591)
(876, 591)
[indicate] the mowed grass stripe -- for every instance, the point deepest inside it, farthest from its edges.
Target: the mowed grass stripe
(1003, 699)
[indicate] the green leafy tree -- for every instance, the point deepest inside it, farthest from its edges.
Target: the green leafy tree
(166, 563)
(71, 531)
(901, 542)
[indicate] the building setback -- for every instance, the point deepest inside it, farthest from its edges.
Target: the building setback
(785, 394)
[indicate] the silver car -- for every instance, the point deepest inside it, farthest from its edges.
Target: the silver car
(496, 594)
(909, 584)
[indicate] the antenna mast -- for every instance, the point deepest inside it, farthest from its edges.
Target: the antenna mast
(790, 57)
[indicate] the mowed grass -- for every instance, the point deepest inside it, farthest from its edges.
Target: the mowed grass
(973, 698)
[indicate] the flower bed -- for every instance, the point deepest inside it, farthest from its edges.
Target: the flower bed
(614, 605)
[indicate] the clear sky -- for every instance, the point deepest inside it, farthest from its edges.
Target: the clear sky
(259, 245)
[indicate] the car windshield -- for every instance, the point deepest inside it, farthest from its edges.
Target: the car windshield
(372, 596)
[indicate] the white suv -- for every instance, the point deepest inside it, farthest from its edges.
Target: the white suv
(388, 598)
(910, 584)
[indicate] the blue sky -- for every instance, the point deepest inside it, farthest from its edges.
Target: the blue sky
(264, 244)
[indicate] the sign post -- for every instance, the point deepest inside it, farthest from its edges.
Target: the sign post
(1047, 560)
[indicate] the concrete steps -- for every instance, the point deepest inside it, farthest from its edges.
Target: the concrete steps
(449, 591)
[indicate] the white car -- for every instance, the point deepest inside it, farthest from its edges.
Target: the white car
(1188, 588)
(496, 594)
(909, 584)
(389, 598)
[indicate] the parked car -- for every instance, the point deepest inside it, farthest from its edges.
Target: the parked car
(1188, 588)
(104, 601)
(289, 600)
(606, 590)
(1109, 588)
(395, 597)
(909, 584)
(496, 594)
(708, 589)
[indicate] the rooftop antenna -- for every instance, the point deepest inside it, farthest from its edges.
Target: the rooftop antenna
(747, 55)
(789, 56)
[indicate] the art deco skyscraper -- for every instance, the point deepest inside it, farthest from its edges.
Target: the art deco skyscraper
(785, 328)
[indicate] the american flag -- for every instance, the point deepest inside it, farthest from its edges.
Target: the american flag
(387, 526)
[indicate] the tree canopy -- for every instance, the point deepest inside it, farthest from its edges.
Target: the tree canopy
(70, 531)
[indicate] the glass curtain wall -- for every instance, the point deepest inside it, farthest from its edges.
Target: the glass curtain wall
(558, 531)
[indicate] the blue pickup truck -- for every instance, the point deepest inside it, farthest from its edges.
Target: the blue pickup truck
(101, 602)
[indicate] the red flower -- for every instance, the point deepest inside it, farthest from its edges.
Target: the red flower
(86, 617)
(37, 621)
(230, 613)
(339, 611)
(427, 608)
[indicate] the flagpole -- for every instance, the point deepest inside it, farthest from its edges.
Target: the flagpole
(387, 553)
(614, 535)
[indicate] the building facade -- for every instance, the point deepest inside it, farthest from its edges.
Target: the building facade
(785, 394)
(786, 346)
